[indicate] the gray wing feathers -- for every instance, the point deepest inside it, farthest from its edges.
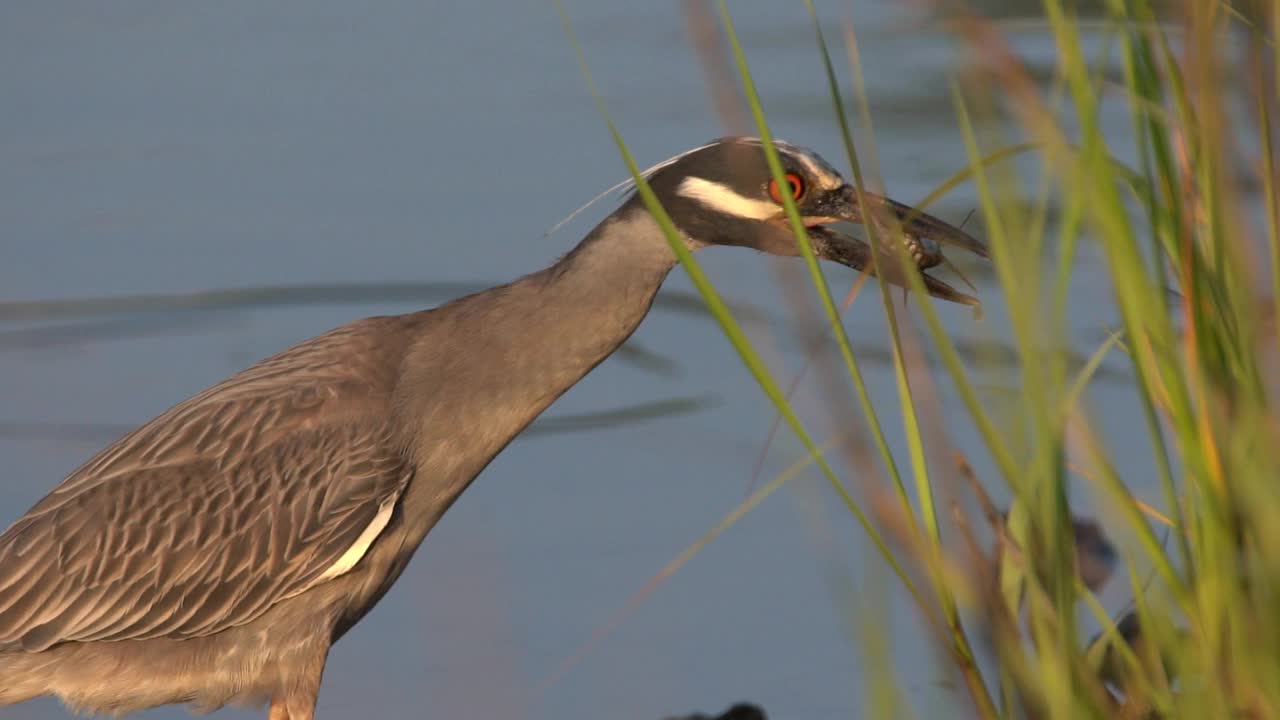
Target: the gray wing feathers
(204, 518)
(156, 554)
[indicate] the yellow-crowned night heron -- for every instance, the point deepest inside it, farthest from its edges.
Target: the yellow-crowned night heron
(215, 554)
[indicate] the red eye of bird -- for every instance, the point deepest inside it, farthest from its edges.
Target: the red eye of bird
(794, 182)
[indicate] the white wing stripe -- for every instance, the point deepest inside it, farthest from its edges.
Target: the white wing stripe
(362, 543)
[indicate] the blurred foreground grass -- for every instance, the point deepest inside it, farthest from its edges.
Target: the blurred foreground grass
(1187, 231)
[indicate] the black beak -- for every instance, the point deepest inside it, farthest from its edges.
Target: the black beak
(885, 211)
(929, 232)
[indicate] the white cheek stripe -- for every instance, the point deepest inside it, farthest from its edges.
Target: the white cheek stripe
(722, 199)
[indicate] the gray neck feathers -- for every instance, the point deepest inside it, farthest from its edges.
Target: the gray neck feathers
(483, 367)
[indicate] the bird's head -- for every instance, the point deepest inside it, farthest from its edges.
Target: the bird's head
(722, 193)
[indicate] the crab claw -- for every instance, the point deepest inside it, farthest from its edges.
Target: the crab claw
(830, 244)
(914, 222)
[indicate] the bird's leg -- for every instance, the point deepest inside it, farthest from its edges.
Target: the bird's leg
(292, 708)
(296, 700)
(279, 711)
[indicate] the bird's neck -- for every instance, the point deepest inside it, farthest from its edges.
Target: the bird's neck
(488, 364)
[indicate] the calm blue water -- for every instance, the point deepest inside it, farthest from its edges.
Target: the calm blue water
(157, 147)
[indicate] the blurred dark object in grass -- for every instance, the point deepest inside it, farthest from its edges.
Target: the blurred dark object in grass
(1095, 555)
(1145, 657)
(741, 711)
